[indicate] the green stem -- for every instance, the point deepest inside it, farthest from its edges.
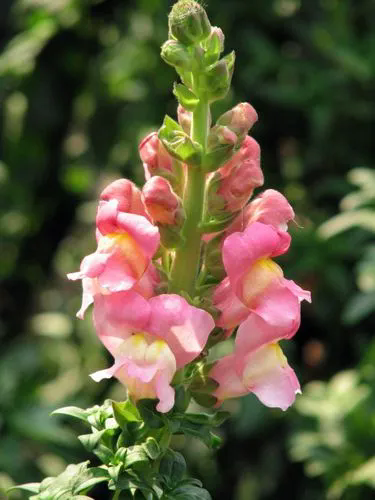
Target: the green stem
(186, 262)
(116, 496)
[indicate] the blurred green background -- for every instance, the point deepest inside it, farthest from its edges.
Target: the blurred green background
(81, 82)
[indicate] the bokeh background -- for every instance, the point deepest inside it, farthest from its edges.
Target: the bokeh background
(81, 82)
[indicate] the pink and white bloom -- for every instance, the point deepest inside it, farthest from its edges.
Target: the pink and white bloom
(126, 244)
(255, 284)
(257, 365)
(149, 345)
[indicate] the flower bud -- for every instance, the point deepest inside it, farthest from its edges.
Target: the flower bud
(184, 118)
(188, 22)
(175, 53)
(232, 185)
(154, 156)
(162, 204)
(217, 78)
(214, 45)
(126, 194)
(239, 119)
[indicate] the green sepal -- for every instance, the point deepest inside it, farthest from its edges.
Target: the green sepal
(216, 224)
(216, 157)
(171, 236)
(185, 97)
(179, 144)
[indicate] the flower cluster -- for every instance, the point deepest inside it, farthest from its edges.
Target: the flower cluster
(190, 255)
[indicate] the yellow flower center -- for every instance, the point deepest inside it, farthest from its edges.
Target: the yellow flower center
(258, 278)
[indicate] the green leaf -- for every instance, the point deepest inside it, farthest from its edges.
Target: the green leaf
(75, 479)
(190, 492)
(151, 417)
(125, 412)
(152, 448)
(135, 454)
(204, 399)
(185, 97)
(172, 467)
(73, 411)
(90, 441)
(32, 487)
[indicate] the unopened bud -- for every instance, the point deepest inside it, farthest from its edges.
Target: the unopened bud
(154, 156)
(214, 45)
(184, 118)
(233, 184)
(218, 76)
(188, 22)
(126, 194)
(239, 119)
(175, 53)
(162, 203)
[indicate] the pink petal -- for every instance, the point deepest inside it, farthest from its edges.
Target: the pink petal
(277, 387)
(242, 250)
(164, 392)
(230, 384)
(185, 328)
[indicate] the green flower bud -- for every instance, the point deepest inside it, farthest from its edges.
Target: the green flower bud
(176, 54)
(214, 45)
(218, 77)
(188, 22)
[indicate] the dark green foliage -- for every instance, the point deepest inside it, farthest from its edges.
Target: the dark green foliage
(81, 82)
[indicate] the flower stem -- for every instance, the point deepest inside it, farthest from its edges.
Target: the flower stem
(186, 262)
(116, 496)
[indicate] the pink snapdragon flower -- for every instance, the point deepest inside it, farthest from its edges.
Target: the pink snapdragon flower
(255, 284)
(126, 244)
(149, 340)
(257, 365)
(154, 156)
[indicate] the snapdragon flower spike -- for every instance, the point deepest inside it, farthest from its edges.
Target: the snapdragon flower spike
(257, 365)
(255, 283)
(232, 185)
(126, 245)
(149, 346)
